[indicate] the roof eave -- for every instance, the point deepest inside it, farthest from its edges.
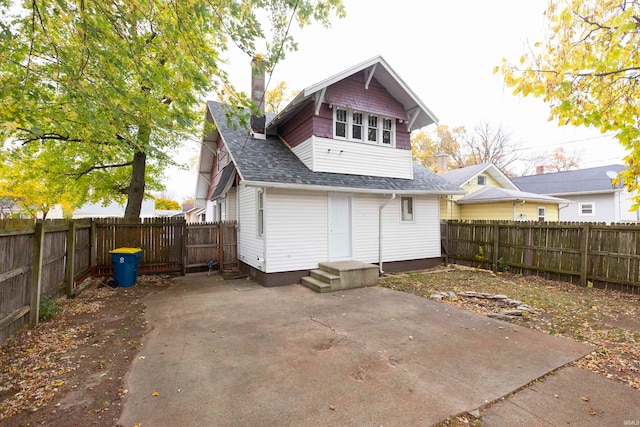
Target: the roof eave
(315, 187)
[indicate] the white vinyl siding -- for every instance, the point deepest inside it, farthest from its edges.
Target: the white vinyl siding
(401, 240)
(297, 231)
(251, 247)
(331, 155)
(304, 151)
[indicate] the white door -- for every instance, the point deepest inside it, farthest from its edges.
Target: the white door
(339, 226)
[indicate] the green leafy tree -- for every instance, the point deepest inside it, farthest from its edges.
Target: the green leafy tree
(167, 204)
(588, 71)
(102, 93)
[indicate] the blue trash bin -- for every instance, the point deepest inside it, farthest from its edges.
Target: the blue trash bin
(125, 266)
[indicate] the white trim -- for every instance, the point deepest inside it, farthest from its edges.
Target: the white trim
(334, 189)
(544, 213)
(366, 116)
(330, 201)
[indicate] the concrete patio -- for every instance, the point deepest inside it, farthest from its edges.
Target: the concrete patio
(230, 353)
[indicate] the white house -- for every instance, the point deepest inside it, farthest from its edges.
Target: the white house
(592, 194)
(329, 178)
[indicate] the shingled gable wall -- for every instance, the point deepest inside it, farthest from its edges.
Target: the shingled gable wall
(376, 99)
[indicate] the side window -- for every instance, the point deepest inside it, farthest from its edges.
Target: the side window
(260, 213)
(586, 209)
(407, 209)
(541, 213)
(387, 131)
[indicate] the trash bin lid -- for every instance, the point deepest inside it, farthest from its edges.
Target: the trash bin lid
(126, 251)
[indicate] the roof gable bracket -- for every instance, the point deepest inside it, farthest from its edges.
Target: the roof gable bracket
(369, 75)
(413, 115)
(318, 98)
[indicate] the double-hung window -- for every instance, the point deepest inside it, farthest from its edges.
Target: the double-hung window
(542, 213)
(359, 126)
(260, 213)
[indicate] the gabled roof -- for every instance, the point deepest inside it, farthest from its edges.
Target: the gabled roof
(463, 175)
(226, 181)
(268, 162)
(581, 181)
(495, 195)
(418, 115)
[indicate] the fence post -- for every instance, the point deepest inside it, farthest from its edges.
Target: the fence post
(70, 265)
(36, 280)
(221, 240)
(584, 255)
(185, 238)
(496, 244)
(93, 244)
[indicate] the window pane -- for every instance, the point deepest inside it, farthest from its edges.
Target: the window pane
(386, 137)
(357, 126)
(407, 208)
(341, 129)
(372, 131)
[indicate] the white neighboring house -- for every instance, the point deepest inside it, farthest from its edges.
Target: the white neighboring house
(97, 210)
(329, 178)
(593, 196)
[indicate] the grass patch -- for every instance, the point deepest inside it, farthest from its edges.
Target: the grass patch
(605, 319)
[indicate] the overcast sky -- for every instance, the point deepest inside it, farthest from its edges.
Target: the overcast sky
(445, 51)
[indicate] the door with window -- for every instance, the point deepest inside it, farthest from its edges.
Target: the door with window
(339, 227)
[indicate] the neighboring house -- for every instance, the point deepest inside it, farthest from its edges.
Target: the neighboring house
(329, 178)
(491, 195)
(593, 196)
(195, 215)
(97, 210)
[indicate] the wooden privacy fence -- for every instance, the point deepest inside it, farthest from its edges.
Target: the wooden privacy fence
(51, 257)
(606, 255)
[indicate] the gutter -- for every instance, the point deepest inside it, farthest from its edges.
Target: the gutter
(316, 187)
(393, 196)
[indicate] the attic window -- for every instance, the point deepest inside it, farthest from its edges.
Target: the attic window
(482, 180)
(359, 126)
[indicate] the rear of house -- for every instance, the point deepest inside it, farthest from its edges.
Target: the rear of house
(330, 178)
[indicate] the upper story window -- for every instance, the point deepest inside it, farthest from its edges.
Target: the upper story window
(482, 180)
(359, 126)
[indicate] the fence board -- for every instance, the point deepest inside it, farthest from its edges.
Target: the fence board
(609, 255)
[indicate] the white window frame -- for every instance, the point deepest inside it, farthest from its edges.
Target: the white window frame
(542, 217)
(260, 214)
(404, 214)
(365, 127)
(484, 179)
(581, 207)
(222, 205)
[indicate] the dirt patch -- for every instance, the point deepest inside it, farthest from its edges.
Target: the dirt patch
(70, 370)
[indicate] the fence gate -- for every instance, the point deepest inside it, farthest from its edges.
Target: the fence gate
(213, 241)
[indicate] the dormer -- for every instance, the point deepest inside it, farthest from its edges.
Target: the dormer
(357, 122)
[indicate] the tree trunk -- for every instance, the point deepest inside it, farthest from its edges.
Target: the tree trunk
(136, 187)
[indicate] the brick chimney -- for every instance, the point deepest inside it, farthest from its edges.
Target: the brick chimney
(442, 159)
(257, 95)
(539, 170)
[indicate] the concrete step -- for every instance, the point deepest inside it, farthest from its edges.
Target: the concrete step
(315, 284)
(353, 274)
(323, 276)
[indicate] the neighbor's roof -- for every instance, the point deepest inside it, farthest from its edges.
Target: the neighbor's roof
(418, 114)
(270, 162)
(590, 180)
(463, 175)
(495, 195)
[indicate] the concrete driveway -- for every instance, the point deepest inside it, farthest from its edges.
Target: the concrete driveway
(232, 353)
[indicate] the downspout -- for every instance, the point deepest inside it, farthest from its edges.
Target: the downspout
(514, 209)
(393, 196)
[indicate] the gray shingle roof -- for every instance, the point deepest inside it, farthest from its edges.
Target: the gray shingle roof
(462, 175)
(270, 161)
(578, 181)
(495, 194)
